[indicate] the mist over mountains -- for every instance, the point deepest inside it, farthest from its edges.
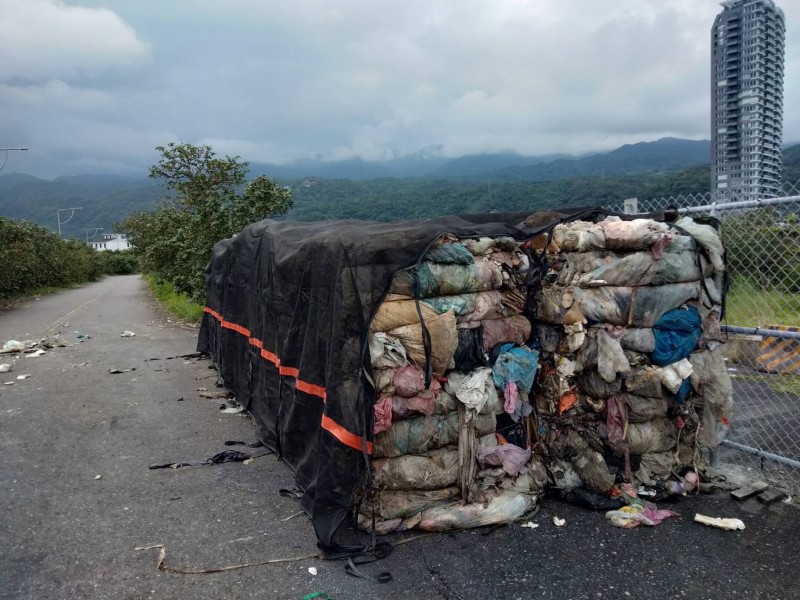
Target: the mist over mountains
(419, 185)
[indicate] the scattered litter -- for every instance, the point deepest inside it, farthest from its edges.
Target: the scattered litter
(216, 395)
(115, 371)
(231, 408)
(82, 337)
(312, 570)
(721, 523)
(127, 333)
(628, 517)
(225, 456)
(180, 399)
(20, 377)
(9, 383)
(530, 525)
(748, 491)
(97, 477)
(559, 522)
(35, 354)
(5, 368)
(202, 389)
(13, 346)
(770, 496)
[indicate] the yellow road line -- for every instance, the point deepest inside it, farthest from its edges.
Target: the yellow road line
(55, 323)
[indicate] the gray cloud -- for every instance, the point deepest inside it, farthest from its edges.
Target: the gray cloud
(96, 85)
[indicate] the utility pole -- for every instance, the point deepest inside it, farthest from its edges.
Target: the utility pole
(71, 214)
(7, 150)
(88, 237)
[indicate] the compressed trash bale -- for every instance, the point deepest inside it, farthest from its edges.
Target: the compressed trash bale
(611, 359)
(504, 508)
(609, 234)
(394, 505)
(677, 335)
(436, 279)
(642, 306)
(488, 305)
(708, 238)
(398, 311)
(549, 336)
(418, 435)
(445, 403)
(444, 340)
(439, 469)
(516, 329)
(484, 245)
(404, 408)
(654, 436)
(642, 410)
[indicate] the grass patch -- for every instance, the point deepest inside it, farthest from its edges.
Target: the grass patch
(176, 304)
(749, 305)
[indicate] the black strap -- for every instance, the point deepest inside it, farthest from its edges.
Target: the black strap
(351, 569)
(426, 336)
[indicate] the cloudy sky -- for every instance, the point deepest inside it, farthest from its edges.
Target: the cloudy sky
(92, 86)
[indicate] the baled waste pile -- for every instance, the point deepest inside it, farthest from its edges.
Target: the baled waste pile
(607, 370)
(445, 373)
(633, 382)
(447, 449)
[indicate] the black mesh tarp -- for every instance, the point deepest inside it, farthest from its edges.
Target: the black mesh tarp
(286, 324)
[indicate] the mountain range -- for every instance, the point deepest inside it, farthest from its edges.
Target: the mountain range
(423, 179)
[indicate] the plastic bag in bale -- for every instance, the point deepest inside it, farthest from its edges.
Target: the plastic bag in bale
(504, 508)
(593, 471)
(398, 505)
(642, 410)
(386, 351)
(488, 305)
(419, 435)
(450, 253)
(516, 329)
(461, 304)
(611, 359)
(653, 436)
(435, 279)
(637, 306)
(592, 384)
(641, 268)
(549, 336)
(644, 381)
(439, 469)
(444, 340)
(710, 379)
(405, 408)
(399, 311)
(638, 340)
(469, 353)
(655, 465)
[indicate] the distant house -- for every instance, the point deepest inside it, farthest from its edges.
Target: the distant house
(111, 241)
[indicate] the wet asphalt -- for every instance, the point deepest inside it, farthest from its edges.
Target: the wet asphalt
(67, 533)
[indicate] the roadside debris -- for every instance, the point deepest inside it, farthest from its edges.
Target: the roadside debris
(5, 368)
(312, 570)
(216, 395)
(530, 525)
(127, 333)
(771, 495)
(35, 354)
(82, 337)
(97, 477)
(748, 491)
(628, 517)
(13, 346)
(721, 523)
(225, 456)
(115, 371)
(20, 377)
(231, 408)
(558, 522)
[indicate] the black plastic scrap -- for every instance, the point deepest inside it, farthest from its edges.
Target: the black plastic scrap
(225, 456)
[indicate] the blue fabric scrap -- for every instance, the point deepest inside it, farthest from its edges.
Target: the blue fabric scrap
(515, 364)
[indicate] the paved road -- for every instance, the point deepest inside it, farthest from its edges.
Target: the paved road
(66, 534)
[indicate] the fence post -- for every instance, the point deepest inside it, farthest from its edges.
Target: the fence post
(630, 206)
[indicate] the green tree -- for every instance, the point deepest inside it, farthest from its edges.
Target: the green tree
(212, 202)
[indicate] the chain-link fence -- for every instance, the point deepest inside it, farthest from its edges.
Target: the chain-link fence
(762, 239)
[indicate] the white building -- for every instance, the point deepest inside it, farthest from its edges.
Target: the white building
(111, 241)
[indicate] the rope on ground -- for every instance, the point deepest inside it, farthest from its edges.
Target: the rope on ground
(162, 555)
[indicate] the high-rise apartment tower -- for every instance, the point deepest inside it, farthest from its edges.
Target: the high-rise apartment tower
(747, 56)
